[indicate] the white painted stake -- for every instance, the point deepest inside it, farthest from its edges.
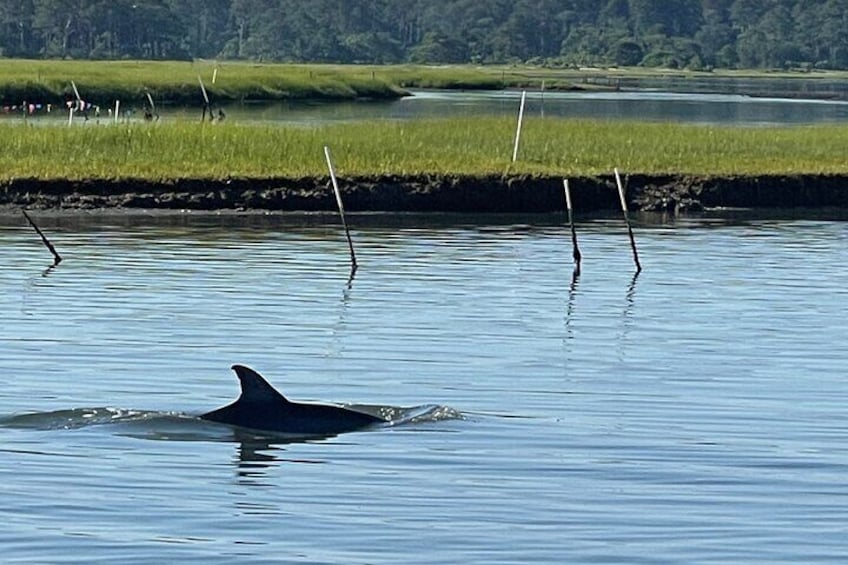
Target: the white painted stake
(338, 193)
(206, 105)
(620, 191)
(518, 129)
(71, 116)
(542, 94)
(214, 75)
(117, 110)
(203, 90)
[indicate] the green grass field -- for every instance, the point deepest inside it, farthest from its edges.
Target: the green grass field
(102, 82)
(176, 81)
(557, 147)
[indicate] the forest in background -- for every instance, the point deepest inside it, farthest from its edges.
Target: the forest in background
(691, 34)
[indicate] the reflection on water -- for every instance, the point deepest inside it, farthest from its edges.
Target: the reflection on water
(795, 87)
(732, 109)
(255, 451)
(693, 413)
(642, 104)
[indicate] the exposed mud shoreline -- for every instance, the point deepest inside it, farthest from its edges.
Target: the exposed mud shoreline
(443, 193)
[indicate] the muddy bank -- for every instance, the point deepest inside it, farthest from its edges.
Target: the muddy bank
(494, 194)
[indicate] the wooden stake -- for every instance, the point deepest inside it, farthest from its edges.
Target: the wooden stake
(56, 257)
(518, 129)
(80, 105)
(206, 105)
(117, 109)
(542, 91)
(576, 253)
(627, 220)
(338, 193)
(203, 90)
(153, 113)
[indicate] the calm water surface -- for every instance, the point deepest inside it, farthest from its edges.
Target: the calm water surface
(644, 104)
(654, 105)
(696, 413)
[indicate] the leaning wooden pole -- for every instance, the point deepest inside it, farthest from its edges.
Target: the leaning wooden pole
(627, 220)
(77, 104)
(56, 257)
(206, 105)
(518, 128)
(153, 112)
(576, 250)
(542, 99)
(76, 92)
(338, 193)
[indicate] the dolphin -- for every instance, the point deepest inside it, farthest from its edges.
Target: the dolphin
(261, 407)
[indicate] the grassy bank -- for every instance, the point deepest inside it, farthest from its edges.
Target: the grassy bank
(103, 82)
(467, 147)
(176, 82)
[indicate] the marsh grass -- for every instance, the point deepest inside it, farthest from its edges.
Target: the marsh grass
(557, 147)
(176, 81)
(102, 82)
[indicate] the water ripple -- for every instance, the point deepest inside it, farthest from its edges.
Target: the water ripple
(694, 413)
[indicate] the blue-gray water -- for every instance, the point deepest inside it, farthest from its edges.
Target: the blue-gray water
(654, 105)
(696, 413)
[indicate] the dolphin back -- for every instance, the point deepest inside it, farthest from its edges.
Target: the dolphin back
(261, 407)
(254, 387)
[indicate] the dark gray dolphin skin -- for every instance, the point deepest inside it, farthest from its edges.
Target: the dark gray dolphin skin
(261, 407)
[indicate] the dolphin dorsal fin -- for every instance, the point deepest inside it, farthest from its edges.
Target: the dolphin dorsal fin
(254, 387)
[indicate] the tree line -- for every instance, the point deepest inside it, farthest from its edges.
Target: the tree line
(695, 34)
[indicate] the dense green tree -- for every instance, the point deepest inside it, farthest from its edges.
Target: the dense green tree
(627, 53)
(687, 33)
(715, 35)
(656, 16)
(437, 46)
(16, 35)
(745, 14)
(206, 24)
(835, 32)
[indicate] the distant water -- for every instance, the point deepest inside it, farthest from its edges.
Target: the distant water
(645, 104)
(641, 104)
(695, 413)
